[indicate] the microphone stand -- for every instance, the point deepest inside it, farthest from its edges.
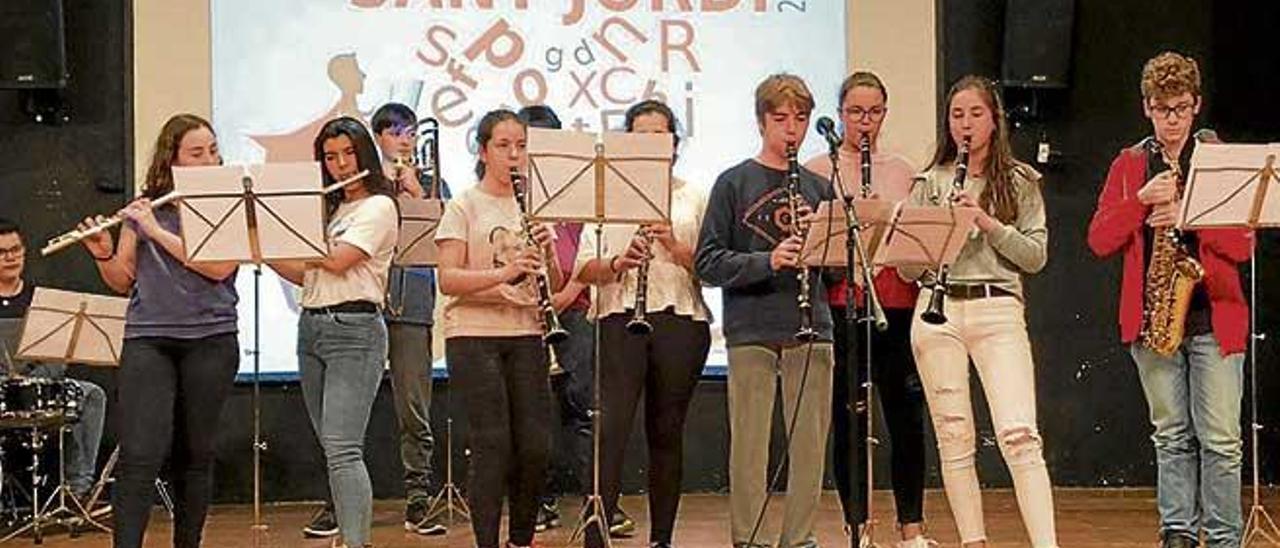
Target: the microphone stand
(853, 250)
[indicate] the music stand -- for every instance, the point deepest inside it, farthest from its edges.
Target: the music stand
(928, 237)
(64, 326)
(419, 218)
(625, 178)
(252, 214)
(1230, 186)
(829, 231)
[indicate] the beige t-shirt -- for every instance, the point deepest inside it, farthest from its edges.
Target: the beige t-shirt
(670, 285)
(490, 227)
(372, 225)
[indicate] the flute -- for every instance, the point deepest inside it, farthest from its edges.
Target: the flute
(64, 241)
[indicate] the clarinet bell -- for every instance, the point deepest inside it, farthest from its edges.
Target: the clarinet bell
(638, 325)
(933, 314)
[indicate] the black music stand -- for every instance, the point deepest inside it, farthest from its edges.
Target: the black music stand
(252, 214)
(623, 179)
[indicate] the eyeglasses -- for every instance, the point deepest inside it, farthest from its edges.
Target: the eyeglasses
(12, 252)
(875, 114)
(1180, 110)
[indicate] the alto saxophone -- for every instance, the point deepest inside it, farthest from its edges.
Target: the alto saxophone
(1172, 276)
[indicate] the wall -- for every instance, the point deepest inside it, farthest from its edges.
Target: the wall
(171, 67)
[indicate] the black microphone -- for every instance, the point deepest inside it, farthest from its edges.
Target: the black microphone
(827, 129)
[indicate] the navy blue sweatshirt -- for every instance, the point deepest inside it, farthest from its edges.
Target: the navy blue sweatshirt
(747, 216)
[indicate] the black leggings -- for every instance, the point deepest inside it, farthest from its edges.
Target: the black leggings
(664, 366)
(171, 393)
(903, 405)
(504, 386)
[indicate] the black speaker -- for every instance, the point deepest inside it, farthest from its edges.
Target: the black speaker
(32, 47)
(1037, 43)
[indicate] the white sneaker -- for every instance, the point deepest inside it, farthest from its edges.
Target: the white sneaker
(917, 542)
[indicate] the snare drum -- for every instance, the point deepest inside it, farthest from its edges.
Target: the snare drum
(36, 401)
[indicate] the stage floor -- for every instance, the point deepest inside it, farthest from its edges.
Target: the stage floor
(1086, 518)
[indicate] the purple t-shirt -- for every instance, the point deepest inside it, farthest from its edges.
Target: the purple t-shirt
(567, 253)
(170, 300)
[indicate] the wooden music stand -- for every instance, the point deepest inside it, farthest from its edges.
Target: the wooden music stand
(252, 213)
(829, 231)
(1232, 186)
(623, 179)
(68, 327)
(926, 236)
(419, 219)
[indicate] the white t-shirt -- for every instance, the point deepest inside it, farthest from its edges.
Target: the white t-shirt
(372, 225)
(670, 285)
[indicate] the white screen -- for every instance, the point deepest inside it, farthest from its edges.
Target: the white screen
(283, 67)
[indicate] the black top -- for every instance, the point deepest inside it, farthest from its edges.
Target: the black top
(16, 306)
(1199, 317)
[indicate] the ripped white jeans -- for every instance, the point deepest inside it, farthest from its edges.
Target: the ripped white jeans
(993, 331)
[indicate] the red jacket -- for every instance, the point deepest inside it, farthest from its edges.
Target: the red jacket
(1117, 226)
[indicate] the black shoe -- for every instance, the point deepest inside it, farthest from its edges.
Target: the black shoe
(548, 517)
(323, 525)
(621, 525)
(1175, 539)
(659, 545)
(416, 520)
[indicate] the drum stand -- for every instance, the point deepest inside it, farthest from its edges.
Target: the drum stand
(46, 513)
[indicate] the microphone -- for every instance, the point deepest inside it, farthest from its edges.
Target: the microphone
(1204, 135)
(827, 129)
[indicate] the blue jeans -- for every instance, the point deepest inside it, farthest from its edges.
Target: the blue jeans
(340, 358)
(1194, 397)
(82, 452)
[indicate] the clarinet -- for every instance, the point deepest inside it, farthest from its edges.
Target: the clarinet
(934, 313)
(864, 149)
(806, 332)
(553, 332)
(639, 324)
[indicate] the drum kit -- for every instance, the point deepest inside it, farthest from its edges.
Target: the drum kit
(31, 410)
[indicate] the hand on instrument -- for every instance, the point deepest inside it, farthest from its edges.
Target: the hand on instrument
(1164, 215)
(984, 220)
(787, 254)
(100, 244)
(544, 235)
(139, 211)
(406, 177)
(1161, 189)
(633, 257)
(662, 234)
(526, 262)
(804, 215)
